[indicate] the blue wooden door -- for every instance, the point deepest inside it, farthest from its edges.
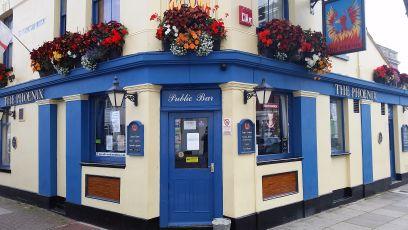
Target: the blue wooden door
(391, 138)
(191, 180)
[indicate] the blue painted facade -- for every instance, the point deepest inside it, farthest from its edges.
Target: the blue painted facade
(47, 150)
(77, 148)
(306, 143)
(366, 143)
(190, 89)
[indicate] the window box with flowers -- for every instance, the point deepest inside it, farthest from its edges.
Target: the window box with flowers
(279, 39)
(190, 30)
(103, 42)
(387, 75)
(6, 75)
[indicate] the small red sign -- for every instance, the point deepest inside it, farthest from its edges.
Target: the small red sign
(245, 16)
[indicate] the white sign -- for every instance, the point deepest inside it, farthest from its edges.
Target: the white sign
(115, 119)
(193, 141)
(227, 126)
(109, 142)
(121, 142)
(190, 125)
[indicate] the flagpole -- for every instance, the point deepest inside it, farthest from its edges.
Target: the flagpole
(20, 42)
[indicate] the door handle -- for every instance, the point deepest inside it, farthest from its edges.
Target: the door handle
(212, 167)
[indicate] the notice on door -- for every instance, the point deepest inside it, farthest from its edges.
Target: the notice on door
(193, 141)
(115, 120)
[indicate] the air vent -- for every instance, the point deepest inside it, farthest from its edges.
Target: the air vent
(382, 109)
(356, 106)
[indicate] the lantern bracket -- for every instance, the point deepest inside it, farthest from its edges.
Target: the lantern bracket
(133, 98)
(312, 5)
(248, 95)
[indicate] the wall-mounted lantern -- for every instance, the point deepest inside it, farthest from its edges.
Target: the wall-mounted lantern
(262, 92)
(117, 95)
(312, 5)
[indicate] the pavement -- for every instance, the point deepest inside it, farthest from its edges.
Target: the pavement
(385, 211)
(15, 215)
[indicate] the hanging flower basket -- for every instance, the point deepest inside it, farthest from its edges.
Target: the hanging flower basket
(190, 30)
(6, 75)
(389, 76)
(103, 42)
(281, 40)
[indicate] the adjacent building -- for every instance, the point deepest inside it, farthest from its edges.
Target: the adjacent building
(321, 141)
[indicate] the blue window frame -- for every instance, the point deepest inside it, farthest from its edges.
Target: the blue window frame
(337, 126)
(5, 142)
(271, 9)
(105, 11)
(8, 53)
(108, 139)
(63, 17)
(273, 127)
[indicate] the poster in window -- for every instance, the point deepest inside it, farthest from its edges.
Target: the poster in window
(193, 141)
(115, 120)
(121, 143)
(109, 142)
(344, 26)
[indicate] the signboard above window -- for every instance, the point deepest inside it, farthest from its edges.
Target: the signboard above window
(344, 26)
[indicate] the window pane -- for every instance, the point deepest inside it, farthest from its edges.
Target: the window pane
(101, 11)
(116, 10)
(6, 142)
(269, 9)
(109, 129)
(191, 143)
(272, 123)
(336, 125)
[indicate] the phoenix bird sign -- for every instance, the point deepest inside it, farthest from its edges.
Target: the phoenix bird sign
(344, 26)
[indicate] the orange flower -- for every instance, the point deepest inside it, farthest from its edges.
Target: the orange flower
(196, 42)
(192, 46)
(186, 46)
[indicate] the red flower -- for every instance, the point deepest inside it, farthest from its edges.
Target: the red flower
(306, 47)
(154, 16)
(159, 33)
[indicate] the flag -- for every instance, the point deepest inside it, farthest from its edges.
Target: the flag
(5, 36)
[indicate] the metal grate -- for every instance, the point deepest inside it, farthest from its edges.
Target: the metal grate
(356, 106)
(382, 109)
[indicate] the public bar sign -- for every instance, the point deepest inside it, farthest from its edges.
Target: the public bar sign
(354, 92)
(135, 139)
(191, 98)
(24, 97)
(246, 137)
(404, 138)
(245, 16)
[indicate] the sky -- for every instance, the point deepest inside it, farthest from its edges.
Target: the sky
(387, 22)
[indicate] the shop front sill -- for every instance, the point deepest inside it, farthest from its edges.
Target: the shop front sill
(277, 161)
(103, 165)
(340, 154)
(5, 170)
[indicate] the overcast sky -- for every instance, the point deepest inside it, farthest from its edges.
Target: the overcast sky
(388, 24)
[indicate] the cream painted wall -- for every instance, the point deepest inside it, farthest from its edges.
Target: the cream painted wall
(39, 10)
(61, 149)
(381, 152)
(140, 180)
(135, 15)
(337, 172)
(401, 158)
(24, 159)
(260, 171)
(239, 173)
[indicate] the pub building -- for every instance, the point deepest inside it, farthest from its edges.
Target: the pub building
(152, 140)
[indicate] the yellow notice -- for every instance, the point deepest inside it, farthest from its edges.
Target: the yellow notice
(191, 159)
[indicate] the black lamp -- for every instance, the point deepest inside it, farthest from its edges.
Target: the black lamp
(117, 95)
(262, 92)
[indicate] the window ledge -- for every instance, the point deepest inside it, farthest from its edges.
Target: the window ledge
(103, 165)
(263, 160)
(340, 154)
(5, 170)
